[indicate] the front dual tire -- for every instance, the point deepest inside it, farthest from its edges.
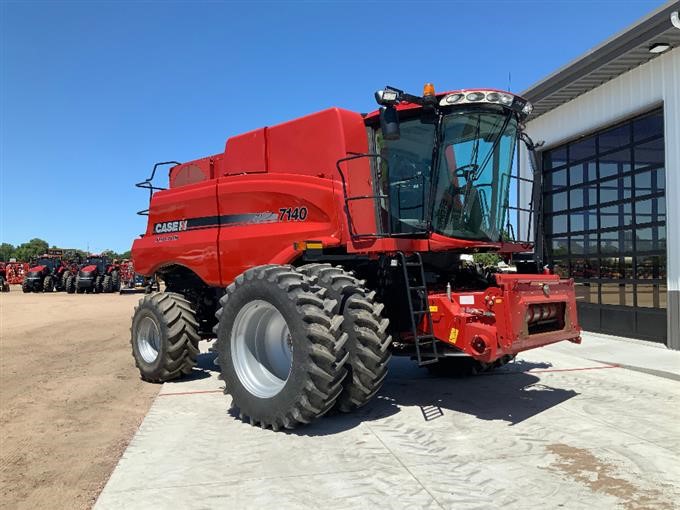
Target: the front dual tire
(281, 348)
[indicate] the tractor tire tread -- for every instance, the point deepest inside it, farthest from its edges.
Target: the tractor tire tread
(368, 342)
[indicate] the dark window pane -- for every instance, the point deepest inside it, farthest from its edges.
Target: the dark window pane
(561, 268)
(610, 268)
(555, 158)
(582, 149)
(660, 179)
(650, 153)
(626, 187)
(575, 175)
(590, 219)
(643, 211)
(614, 138)
(647, 296)
(617, 294)
(626, 214)
(661, 237)
(609, 242)
(615, 163)
(559, 246)
(584, 268)
(559, 201)
(586, 292)
(662, 266)
(557, 179)
(628, 267)
(559, 223)
(643, 183)
(663, 290)
(582, 172)
(576, 243)
(627, 241)
(648, 267)
(577, 222)
(648, 126)
(609, 216)
(609, 190)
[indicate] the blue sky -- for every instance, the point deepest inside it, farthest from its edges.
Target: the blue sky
(93, 93)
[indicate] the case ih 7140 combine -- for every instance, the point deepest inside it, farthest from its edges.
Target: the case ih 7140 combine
(315, 249)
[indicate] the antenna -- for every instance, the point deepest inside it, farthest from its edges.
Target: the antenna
(509, 81)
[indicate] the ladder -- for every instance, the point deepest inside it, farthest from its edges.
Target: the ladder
(416, 293)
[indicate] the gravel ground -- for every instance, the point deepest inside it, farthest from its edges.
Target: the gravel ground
(70, 396)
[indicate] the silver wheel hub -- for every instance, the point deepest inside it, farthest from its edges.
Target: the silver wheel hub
(148, 339)
(261, 348)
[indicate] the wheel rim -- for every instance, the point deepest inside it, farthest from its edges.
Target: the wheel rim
(148, 339)
(261, 348)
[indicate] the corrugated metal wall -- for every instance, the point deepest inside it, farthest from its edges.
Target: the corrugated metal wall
(641, 89)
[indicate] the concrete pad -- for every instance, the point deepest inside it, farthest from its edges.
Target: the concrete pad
(563, 426)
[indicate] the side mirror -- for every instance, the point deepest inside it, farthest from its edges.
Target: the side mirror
(389, 123)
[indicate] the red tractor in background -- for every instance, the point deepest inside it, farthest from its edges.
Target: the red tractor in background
(4, 284)
(315, 249)
(97, 274)
(46, 274)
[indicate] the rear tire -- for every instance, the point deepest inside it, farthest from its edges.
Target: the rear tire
(4, 286)
(79, 288)
(115, 281)
(48, 284)
(280, 347)
(107, 284)
(70, 284)
(368, 342)
(62, 283)
(164, 337)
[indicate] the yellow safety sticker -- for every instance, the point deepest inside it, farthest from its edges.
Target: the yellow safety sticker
(434, 308)
(453, 335)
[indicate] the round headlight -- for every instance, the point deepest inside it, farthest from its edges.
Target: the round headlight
(475, 96)
(493, 96)
(454, 98)
(528, 108)
(506, 99)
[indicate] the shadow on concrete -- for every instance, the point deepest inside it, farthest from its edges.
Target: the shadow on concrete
(509, 394)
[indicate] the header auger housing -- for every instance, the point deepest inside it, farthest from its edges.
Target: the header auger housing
(315, 249)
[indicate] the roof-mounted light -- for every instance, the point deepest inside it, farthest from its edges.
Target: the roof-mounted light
(474, 97)
(428, 90)
(516, 103)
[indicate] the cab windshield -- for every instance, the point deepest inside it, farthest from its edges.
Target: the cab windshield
(47, 262)
(464, 193)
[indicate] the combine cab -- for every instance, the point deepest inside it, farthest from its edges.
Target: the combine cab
(47, 274)
(316, 249)
(97, 274)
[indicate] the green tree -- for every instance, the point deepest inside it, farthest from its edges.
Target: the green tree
(33, 248)
(487, 259)
(6, 252)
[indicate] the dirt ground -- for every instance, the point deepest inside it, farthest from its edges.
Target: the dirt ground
(70, 396)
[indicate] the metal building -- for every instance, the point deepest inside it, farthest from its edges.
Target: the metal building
(610, 170)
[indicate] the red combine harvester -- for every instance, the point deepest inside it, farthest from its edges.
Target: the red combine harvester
(315, 249)
(97, 274)
(47, 274)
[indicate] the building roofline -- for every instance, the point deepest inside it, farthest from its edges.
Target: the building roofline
(646, 28)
